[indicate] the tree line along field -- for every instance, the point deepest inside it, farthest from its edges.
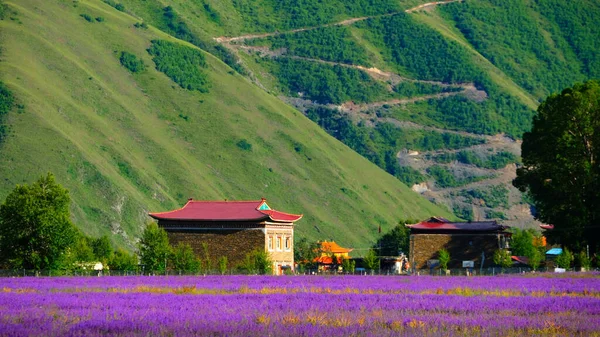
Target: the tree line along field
(540, 305)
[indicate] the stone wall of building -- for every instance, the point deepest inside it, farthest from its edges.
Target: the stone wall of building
(234, 244)
(462, 247)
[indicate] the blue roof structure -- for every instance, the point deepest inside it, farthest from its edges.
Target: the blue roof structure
(554, 251)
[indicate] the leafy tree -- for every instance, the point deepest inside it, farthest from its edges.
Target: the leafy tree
(35, 229)
(444, 258)
(305, 253)
(222, 265)
(183, 258)
(102, 248)
(561, 170)
(564, 259)
(207, 260)
(154, 249)
(371, 260)
(258, 261)
(502, 258)
(583, 261)
(81, 250)
(122, 260)
(521, 243)
(535, 259)
(394, 241)
(348, 265)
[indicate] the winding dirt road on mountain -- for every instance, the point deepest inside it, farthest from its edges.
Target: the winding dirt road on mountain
(347, 22)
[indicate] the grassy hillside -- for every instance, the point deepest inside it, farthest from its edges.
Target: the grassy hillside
(125, 143)
(447, 73)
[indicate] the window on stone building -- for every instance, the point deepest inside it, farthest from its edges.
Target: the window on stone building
(270, 243)
(279, 243)
(288, 243)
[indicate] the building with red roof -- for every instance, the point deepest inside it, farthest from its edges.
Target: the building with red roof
(465, 241)
(232, 229)
(330, 250)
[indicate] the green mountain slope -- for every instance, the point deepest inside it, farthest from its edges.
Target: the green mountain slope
(127, 143)
(436, 93)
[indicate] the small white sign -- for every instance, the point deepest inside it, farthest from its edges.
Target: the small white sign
(468, 264)
(559, 270)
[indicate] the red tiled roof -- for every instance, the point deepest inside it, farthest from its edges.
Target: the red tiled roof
(327, 260)
(520, 259)
(224, 211)
(459, 226)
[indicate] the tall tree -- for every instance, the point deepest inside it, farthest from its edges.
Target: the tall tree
(35, 225)
(395, 241)
(123, 261)
(560, 165)
(183, 258)
(154, 248)
(371, 260)
(305, 253)
(102, 248)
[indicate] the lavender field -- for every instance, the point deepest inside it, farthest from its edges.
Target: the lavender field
(544, 305)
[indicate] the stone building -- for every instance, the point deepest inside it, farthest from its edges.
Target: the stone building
(232, 229)
(465, 241)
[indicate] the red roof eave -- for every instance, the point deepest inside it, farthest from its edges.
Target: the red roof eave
(282, 216)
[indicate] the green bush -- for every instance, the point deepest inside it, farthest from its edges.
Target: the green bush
(116, 5)
(410, 89)
(87, 17)
(131, 62)
(7, 102)
(583, 260)
(493, 197)
(333, 44)
(564, 259)
(181, 64)
(409, 176)
(444, 258)
(324, 83)
(491, 214)
(183, 259)
(465, 213)
(123, 261)
(171, 23)
(502, 258)
(222, 262)
(270, 15)
(444, 178)
(244, 145)
(257, 262)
